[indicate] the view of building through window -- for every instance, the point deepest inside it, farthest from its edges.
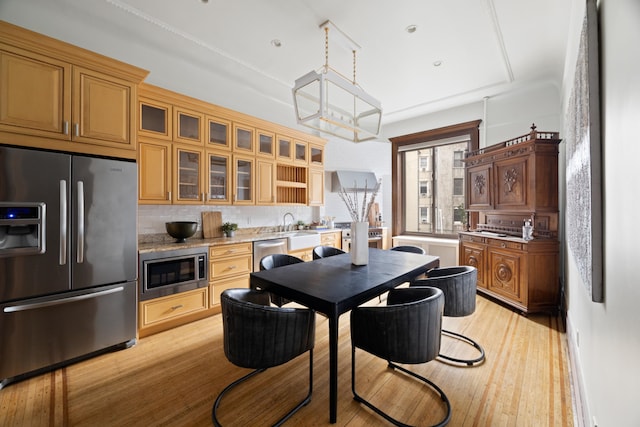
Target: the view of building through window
(434, 188)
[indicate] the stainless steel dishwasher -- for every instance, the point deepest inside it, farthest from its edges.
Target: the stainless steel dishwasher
(262, 248)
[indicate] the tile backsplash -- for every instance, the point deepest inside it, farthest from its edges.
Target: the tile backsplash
(152, 218)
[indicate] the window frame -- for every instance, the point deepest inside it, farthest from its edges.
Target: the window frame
(469, 129)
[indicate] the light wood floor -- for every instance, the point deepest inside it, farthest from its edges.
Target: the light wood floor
(172, 379)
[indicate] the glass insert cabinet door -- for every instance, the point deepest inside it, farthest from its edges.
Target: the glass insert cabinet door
(219, 133)
(219, 178)
(188, 175)
(244, 189)
(284, 149)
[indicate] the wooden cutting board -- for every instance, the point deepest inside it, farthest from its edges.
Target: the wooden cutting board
(211, 224)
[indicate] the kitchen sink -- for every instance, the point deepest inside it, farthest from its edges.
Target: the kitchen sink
(302, 239)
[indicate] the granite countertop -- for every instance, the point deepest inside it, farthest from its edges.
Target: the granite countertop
(195, 242)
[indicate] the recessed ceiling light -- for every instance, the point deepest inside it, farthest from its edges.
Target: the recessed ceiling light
(437, 63)
(411, 29)
(276, 43)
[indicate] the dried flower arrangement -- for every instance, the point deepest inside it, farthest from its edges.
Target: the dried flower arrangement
(350, 198)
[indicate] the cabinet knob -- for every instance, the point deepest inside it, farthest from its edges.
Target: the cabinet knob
(175, 307)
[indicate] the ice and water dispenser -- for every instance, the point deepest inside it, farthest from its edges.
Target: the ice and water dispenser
(22, 228)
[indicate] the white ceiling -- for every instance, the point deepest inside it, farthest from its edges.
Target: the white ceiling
(486, 47)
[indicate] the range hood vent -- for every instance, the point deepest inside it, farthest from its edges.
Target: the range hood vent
(353, 181)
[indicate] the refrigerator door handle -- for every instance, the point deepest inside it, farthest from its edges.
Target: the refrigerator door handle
(80, 255)
(63, 222)
(35, 305)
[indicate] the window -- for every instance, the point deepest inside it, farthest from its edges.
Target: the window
(457, 159)
(424, 188)
(424, 215)
(431, 203)
(458, 186)
(424, 163)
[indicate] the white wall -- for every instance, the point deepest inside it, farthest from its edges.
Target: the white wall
(609, 333)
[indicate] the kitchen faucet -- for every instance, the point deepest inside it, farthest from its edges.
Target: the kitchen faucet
(284, 220)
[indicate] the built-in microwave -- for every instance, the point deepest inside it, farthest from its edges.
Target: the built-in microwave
(169, 272)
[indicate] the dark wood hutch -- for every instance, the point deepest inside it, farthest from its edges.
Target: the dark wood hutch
(507, 184)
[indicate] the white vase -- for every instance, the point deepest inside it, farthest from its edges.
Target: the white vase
(359, 243)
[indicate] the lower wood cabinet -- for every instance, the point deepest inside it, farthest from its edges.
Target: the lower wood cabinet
(164, 313)
(523, 274)
(304, 254)
(332, 238)
(229, 267)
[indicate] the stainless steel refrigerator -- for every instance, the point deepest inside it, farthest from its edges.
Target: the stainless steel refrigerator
(68, 258)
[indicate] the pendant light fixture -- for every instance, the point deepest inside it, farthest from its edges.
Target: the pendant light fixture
(329, 102)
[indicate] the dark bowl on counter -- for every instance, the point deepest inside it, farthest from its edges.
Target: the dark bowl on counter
(181, 230)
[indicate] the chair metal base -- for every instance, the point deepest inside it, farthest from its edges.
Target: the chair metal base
(387, 417)
(468, 362)
(303, 402)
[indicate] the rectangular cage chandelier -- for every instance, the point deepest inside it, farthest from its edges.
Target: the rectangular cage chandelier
(329, 102)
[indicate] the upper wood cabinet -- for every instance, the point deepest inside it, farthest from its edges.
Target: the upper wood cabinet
(188, 126)
(316, 187)
(316, 155)
(154, 171)
(243, 180)
(155, 118)
(218, 177)
(265, 182)
(241, 160)
(188, 175)
(218, 133)
(52, 90)
(244, 139)
(300, 152)
(284, 149)
(266, 144)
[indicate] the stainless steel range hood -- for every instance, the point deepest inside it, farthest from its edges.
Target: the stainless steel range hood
(353, 181)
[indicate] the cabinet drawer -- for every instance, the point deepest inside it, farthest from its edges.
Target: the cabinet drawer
(219, 286)
(228, 250)
(476, 239)
(504, 244)
(173, 306)
(230, 267)
(330, 239)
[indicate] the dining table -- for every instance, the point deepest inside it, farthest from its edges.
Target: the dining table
(334, 286)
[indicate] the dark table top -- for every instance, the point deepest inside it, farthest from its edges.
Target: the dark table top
(333, 285)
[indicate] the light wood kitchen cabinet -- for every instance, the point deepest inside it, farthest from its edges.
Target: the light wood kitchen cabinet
(218, 177)
(244, 139)
(156, 119)
(243, 180)
(154, 171)
(188, 126)
(508, 183)
(188, 175)
(240, 160)
(300, 152)
(265, 182)
(229, 267)
(316, 155)
(284, 149)
(51, 90)
(316, 187)
(164, 313)
(266, 144)
(332, 238)
(218, 133)
(304, 254)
